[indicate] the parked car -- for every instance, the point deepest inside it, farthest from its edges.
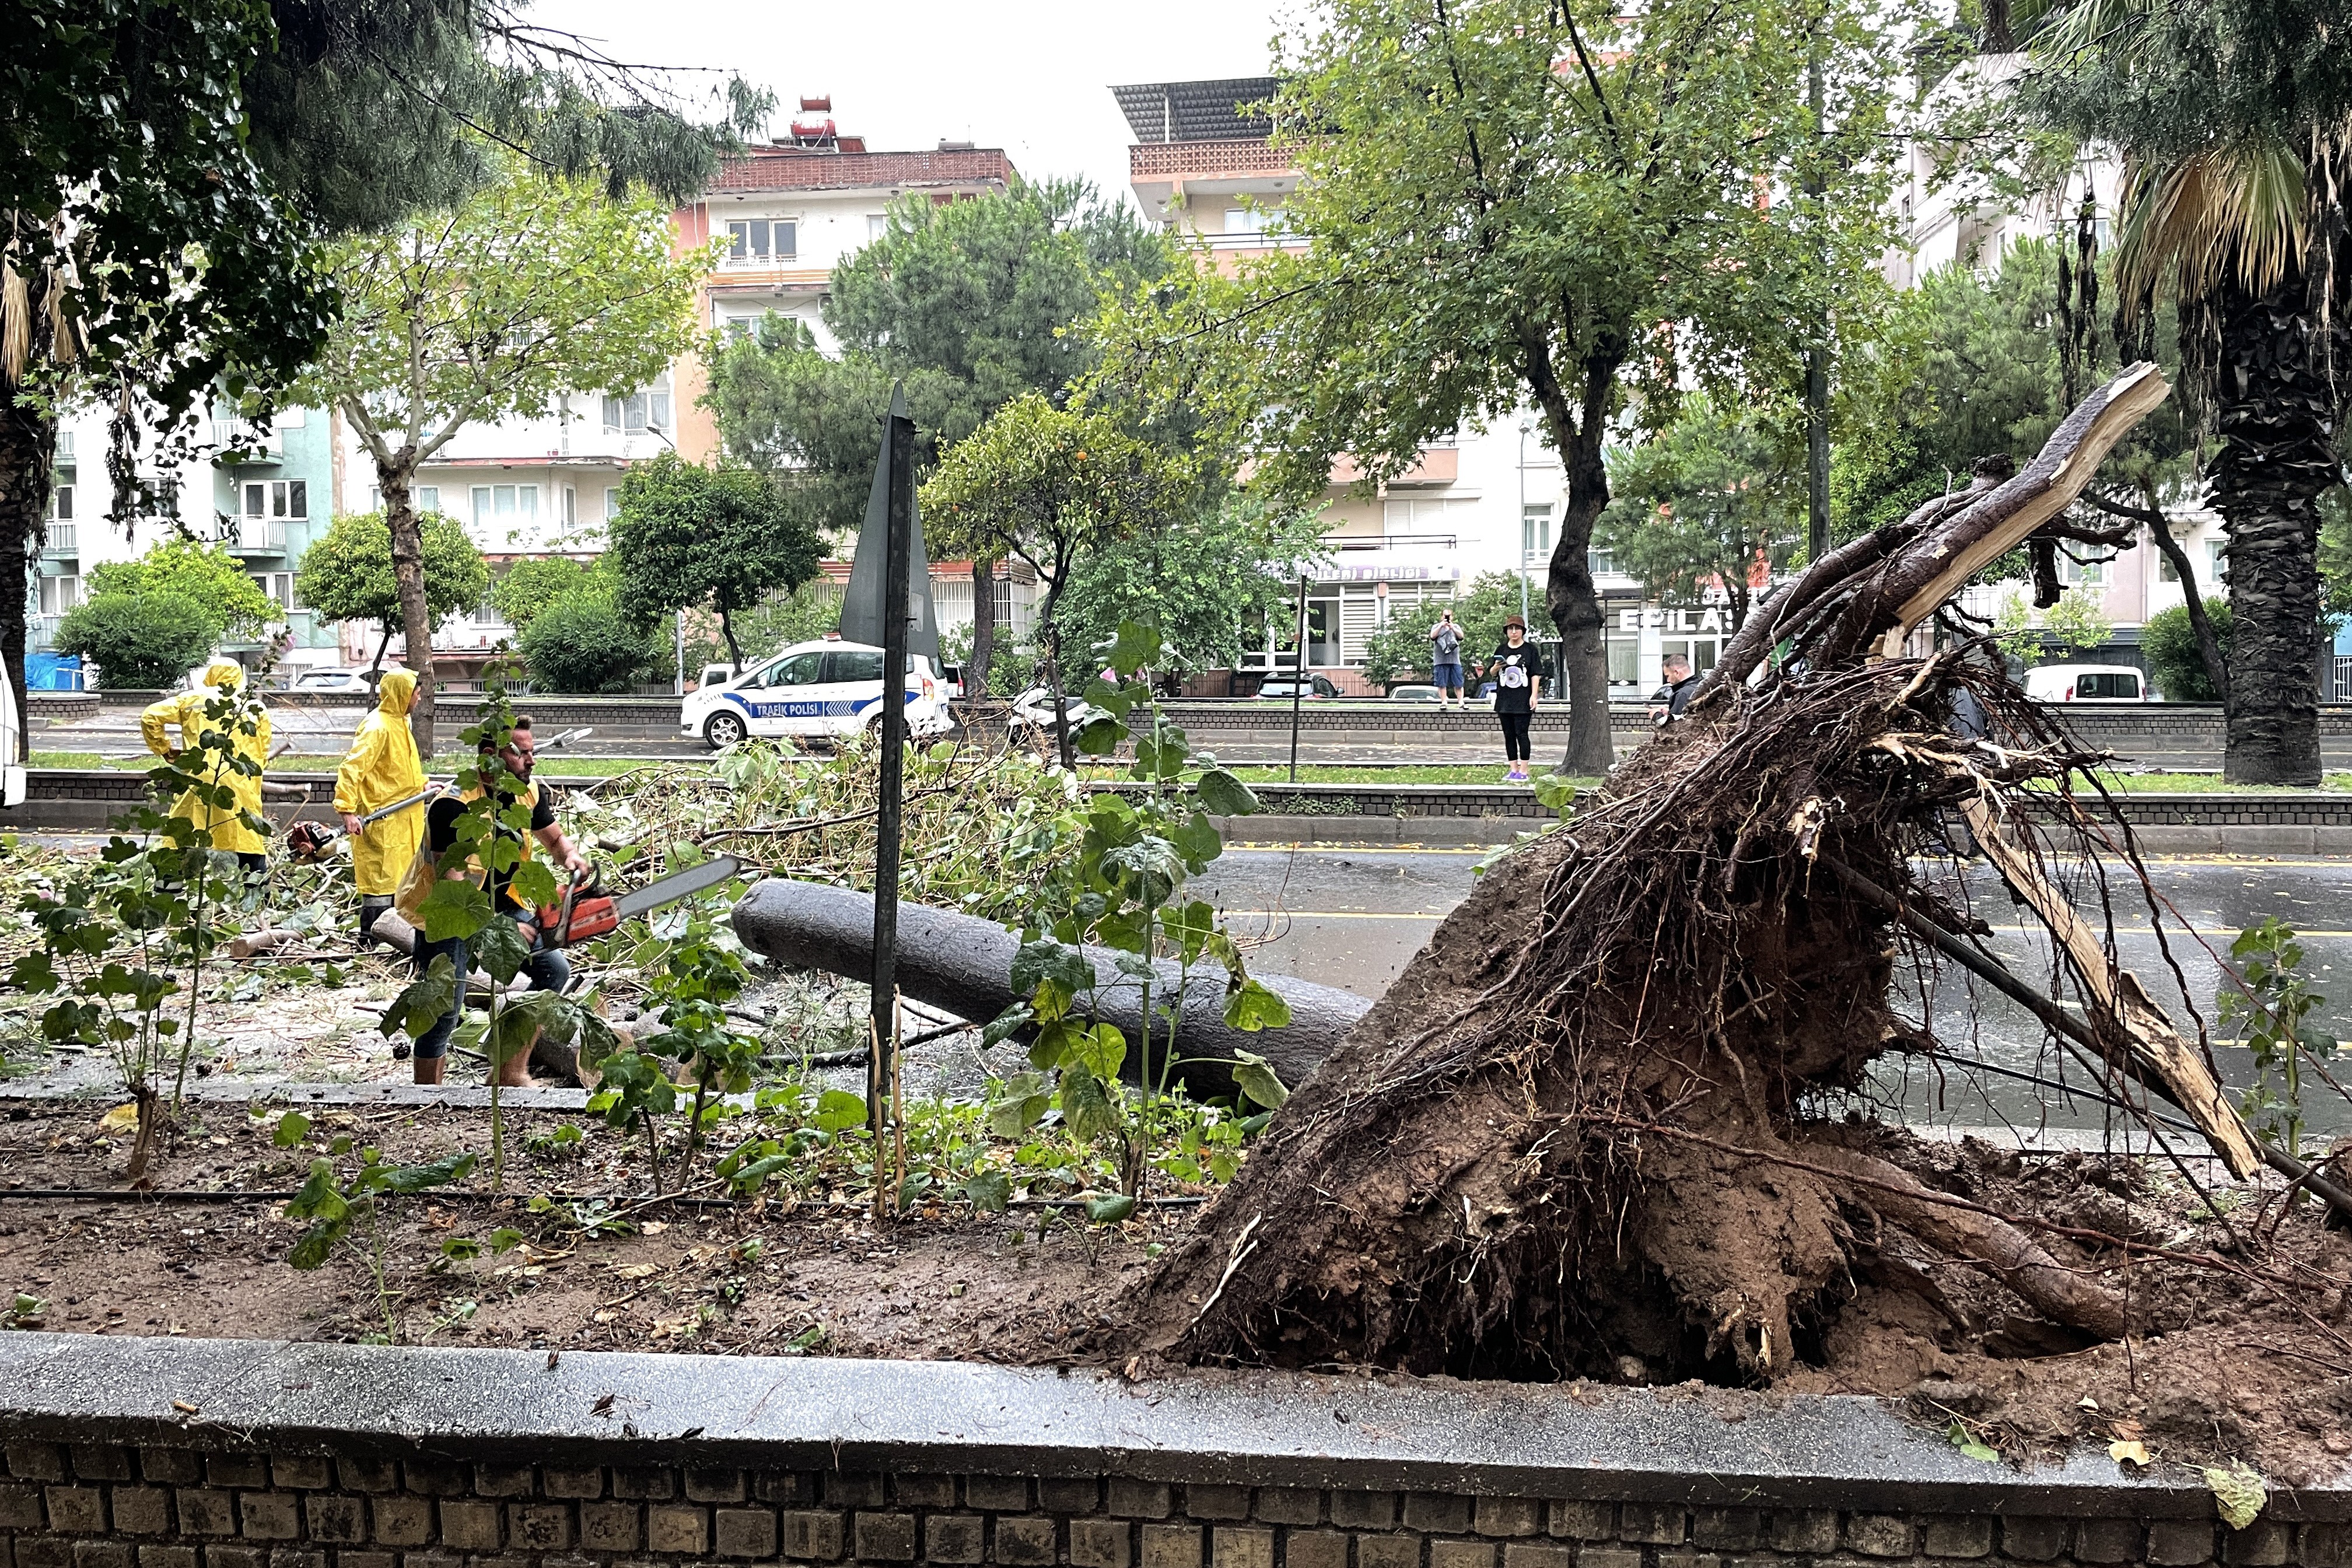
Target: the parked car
(952, 682)
(1283, 686)
(714, 675)
(1033, 713)
(1415, 694)
(823, 688)
(2086, 683)
(354, 681)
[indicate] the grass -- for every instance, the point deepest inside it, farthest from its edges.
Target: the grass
(2198, 783)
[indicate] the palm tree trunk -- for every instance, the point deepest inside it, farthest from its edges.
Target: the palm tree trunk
(2277, 457)
(28, 447)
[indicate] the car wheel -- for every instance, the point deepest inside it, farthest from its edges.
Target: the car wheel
(724, 729)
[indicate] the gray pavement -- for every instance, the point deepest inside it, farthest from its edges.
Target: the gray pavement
(1355, 918)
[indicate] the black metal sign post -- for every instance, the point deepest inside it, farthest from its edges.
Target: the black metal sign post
(1298, 680)
(898, 455)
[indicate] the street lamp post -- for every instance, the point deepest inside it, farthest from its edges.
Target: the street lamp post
(677, 617)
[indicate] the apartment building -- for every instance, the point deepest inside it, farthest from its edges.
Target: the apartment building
(1483, 499)
(262, 491)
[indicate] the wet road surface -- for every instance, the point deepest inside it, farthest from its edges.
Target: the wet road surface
(1355, 918)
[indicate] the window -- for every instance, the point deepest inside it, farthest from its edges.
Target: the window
(1244, 220)
(857, 667)
(2215, 550)
(2116, 686)
(640, 411)
(1428, 522)
(508, 504)
(59, 594)
(801, 669)
(426, 498)
(1600, 561)
(571, 505)
(291, 418)
(752, 241)
(612, 502)
(61, 503)
(876, 225)
(279, 499)
(1535, 529)
(2083, 573)
(2164, 572)
(278, 588)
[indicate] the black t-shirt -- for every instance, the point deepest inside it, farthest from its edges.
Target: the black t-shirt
(441, 832)
(1515, 671)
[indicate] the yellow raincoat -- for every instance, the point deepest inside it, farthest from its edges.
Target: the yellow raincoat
(382, 767)
(186, 713)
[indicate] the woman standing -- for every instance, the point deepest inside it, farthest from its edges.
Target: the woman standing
(1518, 684)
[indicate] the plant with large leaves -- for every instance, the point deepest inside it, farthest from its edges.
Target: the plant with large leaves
(1124, 889)
(2231, 118)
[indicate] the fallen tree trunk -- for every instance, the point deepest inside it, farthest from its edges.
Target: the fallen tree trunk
(963, 966)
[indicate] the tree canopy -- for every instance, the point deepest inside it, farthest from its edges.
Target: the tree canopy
(140, 641)
(1712, 503)
(1201, 578)
(207, 577)
(529, 586)
(346, 574)
(533, 289)
(1045, 484)
(690, 536)
(1511, 201)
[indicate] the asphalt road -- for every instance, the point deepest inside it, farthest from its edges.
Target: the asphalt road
(1355, 918)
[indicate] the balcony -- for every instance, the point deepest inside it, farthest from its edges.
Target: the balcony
(1391, 541)
(255, 536)
(65, 539)
(240, 443)
(1207, 160)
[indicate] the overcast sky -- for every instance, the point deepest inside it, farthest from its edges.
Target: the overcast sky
(1032, 77)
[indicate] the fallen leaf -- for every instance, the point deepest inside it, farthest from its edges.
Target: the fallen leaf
(122, 1119)
(2238, 1494)
(636, 1270)
(183, 1407)
(2134, 1452)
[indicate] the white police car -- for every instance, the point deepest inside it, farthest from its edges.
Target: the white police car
(823, 688)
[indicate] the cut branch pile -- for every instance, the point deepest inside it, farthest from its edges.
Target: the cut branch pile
(1584, 1131)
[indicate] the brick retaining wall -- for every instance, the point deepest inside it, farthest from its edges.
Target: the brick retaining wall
(346, 1456)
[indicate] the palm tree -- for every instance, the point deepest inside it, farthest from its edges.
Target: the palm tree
(2234, 144)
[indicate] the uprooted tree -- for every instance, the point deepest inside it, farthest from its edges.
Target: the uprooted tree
(1584, 1124)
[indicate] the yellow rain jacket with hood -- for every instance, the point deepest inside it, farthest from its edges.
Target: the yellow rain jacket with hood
(382, 767)
(186, 713)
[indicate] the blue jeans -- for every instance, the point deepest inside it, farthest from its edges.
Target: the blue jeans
(549, 969)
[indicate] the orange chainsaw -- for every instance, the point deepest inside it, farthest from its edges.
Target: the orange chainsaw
(585, 912)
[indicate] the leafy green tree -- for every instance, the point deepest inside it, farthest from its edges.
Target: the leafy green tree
(1515, 201)
(206, 575)
(970, 304)
(1712, 502)
(779, 620)
(583, 642)
(529, 586)
(1200, 578)
(2229, 116)
(1401, 648)
(141, 640)
(346, 574)
(1046, 484)
(142, 248)
(2175, 665)
(532, 289)
(689, 536)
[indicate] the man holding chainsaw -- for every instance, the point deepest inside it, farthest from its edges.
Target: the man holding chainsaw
(548, 968)
(381, 769)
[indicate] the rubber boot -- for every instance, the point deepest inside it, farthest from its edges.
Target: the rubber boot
(371, 906)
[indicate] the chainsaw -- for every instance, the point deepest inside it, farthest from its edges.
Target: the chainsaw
(310, 841)
(586, 912)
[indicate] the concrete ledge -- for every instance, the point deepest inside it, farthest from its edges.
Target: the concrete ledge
(1675, 1446)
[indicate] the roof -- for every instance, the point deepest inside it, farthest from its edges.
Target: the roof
(815, 169)
(1197, 111)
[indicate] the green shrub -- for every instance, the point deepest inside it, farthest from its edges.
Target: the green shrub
(143, 641)
(580, 643)
(2169, 645)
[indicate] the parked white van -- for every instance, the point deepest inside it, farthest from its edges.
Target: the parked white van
(2085, 683)
(823, 688)
(12, 737)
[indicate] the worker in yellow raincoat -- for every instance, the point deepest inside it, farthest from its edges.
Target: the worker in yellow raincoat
(382, 767)
(186, 714)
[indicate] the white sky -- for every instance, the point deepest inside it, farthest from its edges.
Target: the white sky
(1032, 77)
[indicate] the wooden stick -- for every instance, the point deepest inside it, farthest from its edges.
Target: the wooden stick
(2156, 1048)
